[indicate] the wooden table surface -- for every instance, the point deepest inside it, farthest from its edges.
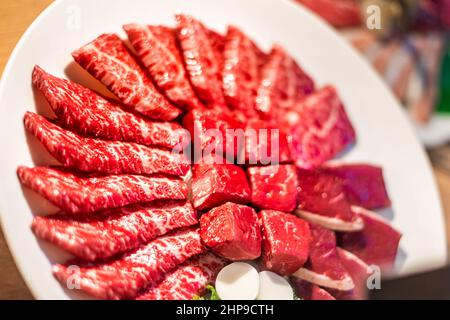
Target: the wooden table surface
(15, 17)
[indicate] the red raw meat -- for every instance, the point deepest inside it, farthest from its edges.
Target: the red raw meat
(286, 241)
(308, 291)
(208, 130)
(359, 271)
(87, 113)
(127, 275)
(363, 184)
(376, 244)
(201, 59)
(87, 154)
(113, 231)
(274, 187)
(340, 13)
(158, 51)
(323, 129)
(264, 144)
(79, 193)
(188, 280)
(324, 267)
(232, 231)
(109, 61)
(282, 83)
(215, 184)
(322, 200)
(241, 75)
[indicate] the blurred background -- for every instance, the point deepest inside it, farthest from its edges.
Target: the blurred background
(408, 44)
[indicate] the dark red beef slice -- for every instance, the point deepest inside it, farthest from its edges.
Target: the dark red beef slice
(113, 231)
(282, 83)
(377, 244)
(324, 267)
(364, 184)
(158, 51)
(323, 129)
(87, 113)
(264, 144)
(286, 241)
(215, 184)
(125, 276)
(75, 193)
(308, 291)
(208, 130)
(109, 61)
(274, 187)
(188, 280)
(241, 71)
(232, 231)
(96, 155)
(202, 60)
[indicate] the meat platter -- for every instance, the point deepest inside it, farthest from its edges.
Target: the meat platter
(148, 204)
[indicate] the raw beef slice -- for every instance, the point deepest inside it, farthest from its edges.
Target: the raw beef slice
(324, 267)
(274, 187)
(78, 193)
(215, 184)
(264, 144)
(282, 83)
(322, 200)
(95, 155)
(87, 113)
(232, 231)
(113, 231)
(109, 61)
(363, 183)
(127, 275)
(188, 280)
(208, 130)
(286, 241)
(376, 244)
(202, 60)
(322, 131)
(241, 71)
(307, 291)
(158, 51)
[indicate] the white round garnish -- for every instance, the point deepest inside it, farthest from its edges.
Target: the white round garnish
(238, 281)
(274, 287)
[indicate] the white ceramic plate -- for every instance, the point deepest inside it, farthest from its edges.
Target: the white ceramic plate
(385, 136)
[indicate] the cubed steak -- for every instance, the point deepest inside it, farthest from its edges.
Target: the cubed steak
(113, 231)
(202, 60)
(363, 184)
(79, 193)
(307, 291)
(214, 131)
(322, 200)
(324, 267)
(96, 155)
(232, 231)
(323, 129)
(108, 60)
(215, 184)
(137, 270)
(158, 51)
(265, 144)
(377, 244)
(85, 112)
(286, 241)
(241, 71)
(188, 280)
(282, 83)
(274, 187)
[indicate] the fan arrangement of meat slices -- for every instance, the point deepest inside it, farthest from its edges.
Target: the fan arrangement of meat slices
(146, 222)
